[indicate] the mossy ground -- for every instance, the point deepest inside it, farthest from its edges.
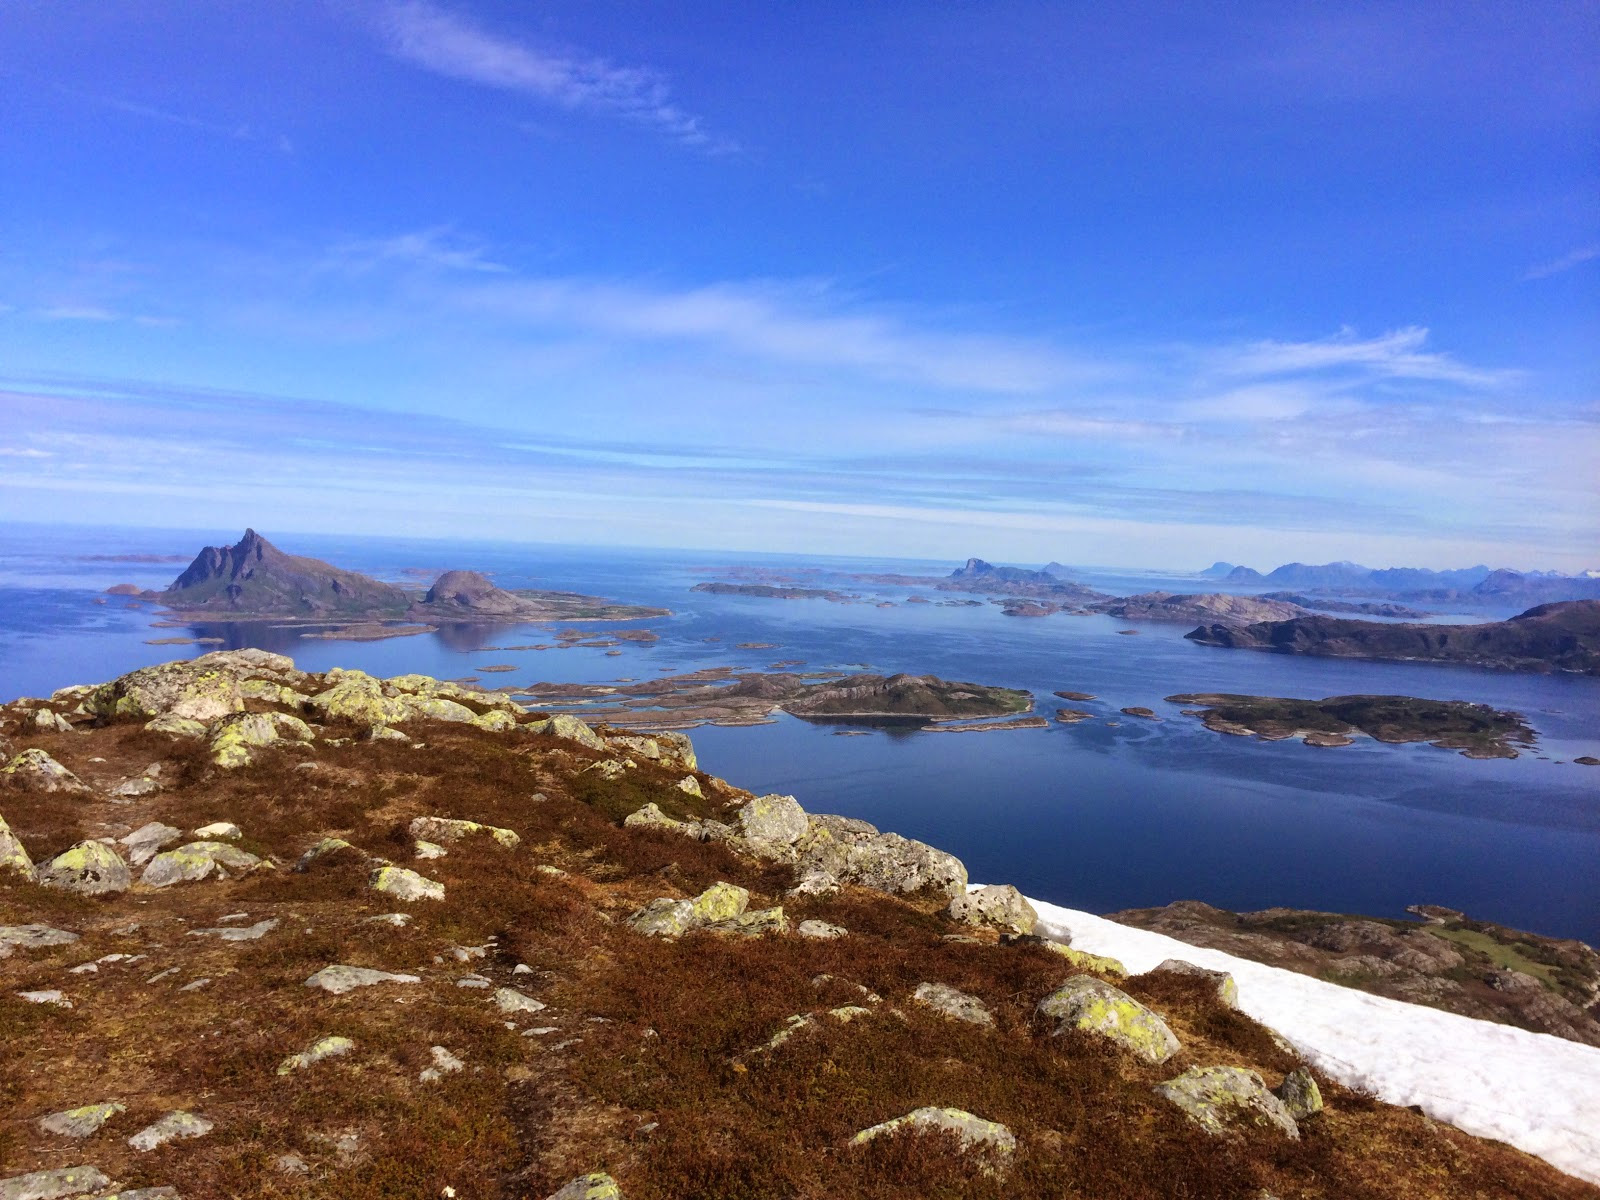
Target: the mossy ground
(639, 1077)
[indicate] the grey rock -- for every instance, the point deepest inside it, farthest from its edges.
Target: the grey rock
(998, 906)
(404, 884)
(148, 840)
(80, 1122)
(219, 831)
(1300, 1094)
(89, 868)
(974, 1132)
(47, 996)
(509, 1000)
(1218, 1099)
(597, 1186)
(196, 861)
(564, 725)
(38, 772)
(327, 846)
(49, 1185)
(771, 825)
(1227, 989)
(821, 930)
(673, 918)
(1092, 1006)
(52, 722)
(238, 933)
(174, 1125)
(32, 937)
(323, 1048)
(855, 852)
(339, 979)
(954, 1003)
(444, 1063)
(13, 855)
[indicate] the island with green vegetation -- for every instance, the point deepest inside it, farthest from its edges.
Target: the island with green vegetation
(1476, 730)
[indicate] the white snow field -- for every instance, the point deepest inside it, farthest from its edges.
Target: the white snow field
(1537, 1092)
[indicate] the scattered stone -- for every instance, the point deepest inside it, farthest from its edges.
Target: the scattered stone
(429, 850)
(998, 906)
(1227, 989)
(144, 784)
(398, 920)
(473, 981)
(292, 1164)
(597, 1186)
(38, 772)
(197, 861)
(236, 738)
(328, 1047)
(815, 883)
(13, 855)
(49, 721)
(147, 841)
(1085, 961)
(239, 933)
(173, 726)
(444, 1063)
(953, 1003)
(690, 786)
(223, 831)
(48, 1185)
(327, 846)
(674, 918)
(1218, 1098)
(1300, 1094)
(405, 885)
(1092, 1006)
(383, 733)
(339, 979)
(564, 725)
(89, 868)
(447, 829)
(821, 930)
(974, 1132)
(47, 996)
(174, 1125)
(80, 1122)
(196, 985)
(651, 817)
(509, 1000)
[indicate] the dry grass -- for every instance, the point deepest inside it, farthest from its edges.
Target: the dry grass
(639, 1077)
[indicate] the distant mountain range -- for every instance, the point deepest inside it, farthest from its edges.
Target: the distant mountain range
(1465, 585)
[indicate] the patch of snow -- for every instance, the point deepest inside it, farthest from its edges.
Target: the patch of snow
(1538, 1092)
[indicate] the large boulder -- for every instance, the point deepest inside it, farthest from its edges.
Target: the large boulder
(89, 868)
(38, 772)
(1219, 1099)
(1087, 1004)
(650, 816)
(564, 725)
(974, 1133)
(851, 851)
(145, 842)
(771, 825)
(448, 829)
(236, 737)
(196, 861)
(1300, 1094)
(1227, 990)
(404, 884)
(674, 918)
(954, 1003)
(200, 689)
(669, 748)
(357, 697)
(998, 906)
(59, 1181)
(13, 855)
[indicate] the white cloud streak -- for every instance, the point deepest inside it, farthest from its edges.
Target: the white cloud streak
(1566, 262)
(1397, 354)
(446, 44)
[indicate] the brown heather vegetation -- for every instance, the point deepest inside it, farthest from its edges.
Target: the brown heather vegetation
(639, 1078)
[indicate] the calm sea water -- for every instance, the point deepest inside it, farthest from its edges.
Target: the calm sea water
(1111, 813)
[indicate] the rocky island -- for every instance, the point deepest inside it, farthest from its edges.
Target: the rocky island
(253, 580)
(1550, 637)
(1476, 730)
(266, 932)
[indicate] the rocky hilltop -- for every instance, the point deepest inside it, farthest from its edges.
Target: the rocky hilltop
(1551, 637)
(253, 576)
(271, 933)
(1211, 606)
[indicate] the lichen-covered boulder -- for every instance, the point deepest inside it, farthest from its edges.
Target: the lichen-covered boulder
(174, 726)
(200, 689)
(674, 918)
(437, 708)
(564, 725)
(771, 825)
(327, 1047)
(30, 937)
(953, 1003)
(1084, 961)
(405, 884)
(357, 697)
(339, 978)
(753, 922)
(38, 772)
(80, 1122)
(974, 1132)
(145, 842)
(690, 786)
(651, 817)
(325, 847)
(13, 855)
(998, 906)
(235, 738)
(494, 721)
(195, 861)
(448, 829)
(1300, 1094)
(169, 1128)
(669, 748)
(49, 1185)
(1227, 989)
(219, 831)
(851, 851)
(596, 1186)
(1219, 1099)
(49, 721)
(89, 868)
(1092, 1006)
(821, 930)
(271, 692)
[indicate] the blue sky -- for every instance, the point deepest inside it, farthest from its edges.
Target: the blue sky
(1143, 285)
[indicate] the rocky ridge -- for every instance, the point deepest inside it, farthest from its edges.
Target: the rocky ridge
(401, 937)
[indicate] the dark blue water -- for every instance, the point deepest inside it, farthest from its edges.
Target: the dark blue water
(1111, 813)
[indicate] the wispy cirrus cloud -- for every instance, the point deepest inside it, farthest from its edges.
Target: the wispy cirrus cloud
(1558, 266)
(1398, 354)
(447, 44)
(440, 248)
